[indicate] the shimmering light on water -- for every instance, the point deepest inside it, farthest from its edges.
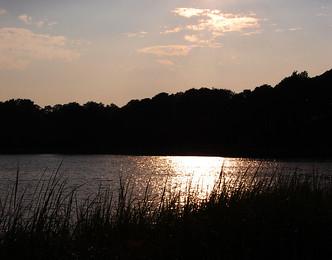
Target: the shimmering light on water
(198, 174)
(174, 172)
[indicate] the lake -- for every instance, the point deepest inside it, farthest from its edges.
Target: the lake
(177, 173)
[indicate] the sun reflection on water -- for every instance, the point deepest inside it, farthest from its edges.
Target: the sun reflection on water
(158, 173)
(197, 174)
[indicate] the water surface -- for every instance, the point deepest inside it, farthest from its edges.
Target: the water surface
(175, 172)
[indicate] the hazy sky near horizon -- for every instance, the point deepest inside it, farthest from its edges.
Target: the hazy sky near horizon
(113, 51)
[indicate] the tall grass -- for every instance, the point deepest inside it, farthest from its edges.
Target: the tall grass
(255, 216)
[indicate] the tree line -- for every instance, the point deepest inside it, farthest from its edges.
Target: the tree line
(294, 118)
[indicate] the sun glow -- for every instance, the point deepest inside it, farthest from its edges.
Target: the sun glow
(196, 174)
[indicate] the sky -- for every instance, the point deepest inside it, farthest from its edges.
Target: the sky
(55, 52)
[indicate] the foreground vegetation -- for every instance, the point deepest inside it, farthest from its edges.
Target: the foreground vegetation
(276, 217)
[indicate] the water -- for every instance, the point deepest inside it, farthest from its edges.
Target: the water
(174, 172)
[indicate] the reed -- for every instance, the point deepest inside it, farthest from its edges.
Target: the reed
(255, 216)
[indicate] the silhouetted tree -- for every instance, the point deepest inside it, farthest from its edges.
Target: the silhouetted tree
(292, 119)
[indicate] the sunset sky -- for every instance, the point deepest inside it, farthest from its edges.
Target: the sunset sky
(113, 51)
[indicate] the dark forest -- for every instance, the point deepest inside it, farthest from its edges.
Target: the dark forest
(294, 118)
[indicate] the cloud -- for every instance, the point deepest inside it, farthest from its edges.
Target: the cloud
(28, 20)
(3, 11)
(25, 18)
(221, 23)
(252, 33)
(202, 28)
(189, 12)
(166, 62)
(200, 42)
(279, 30)
(294, 29)
(322, 14)
(191, 38)
(19, 47)
(207, 25)
(8, 63)
(217, 22)
(167, 50)
(52, 23)
(141, 34)
(40, 24)
(173, 30)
